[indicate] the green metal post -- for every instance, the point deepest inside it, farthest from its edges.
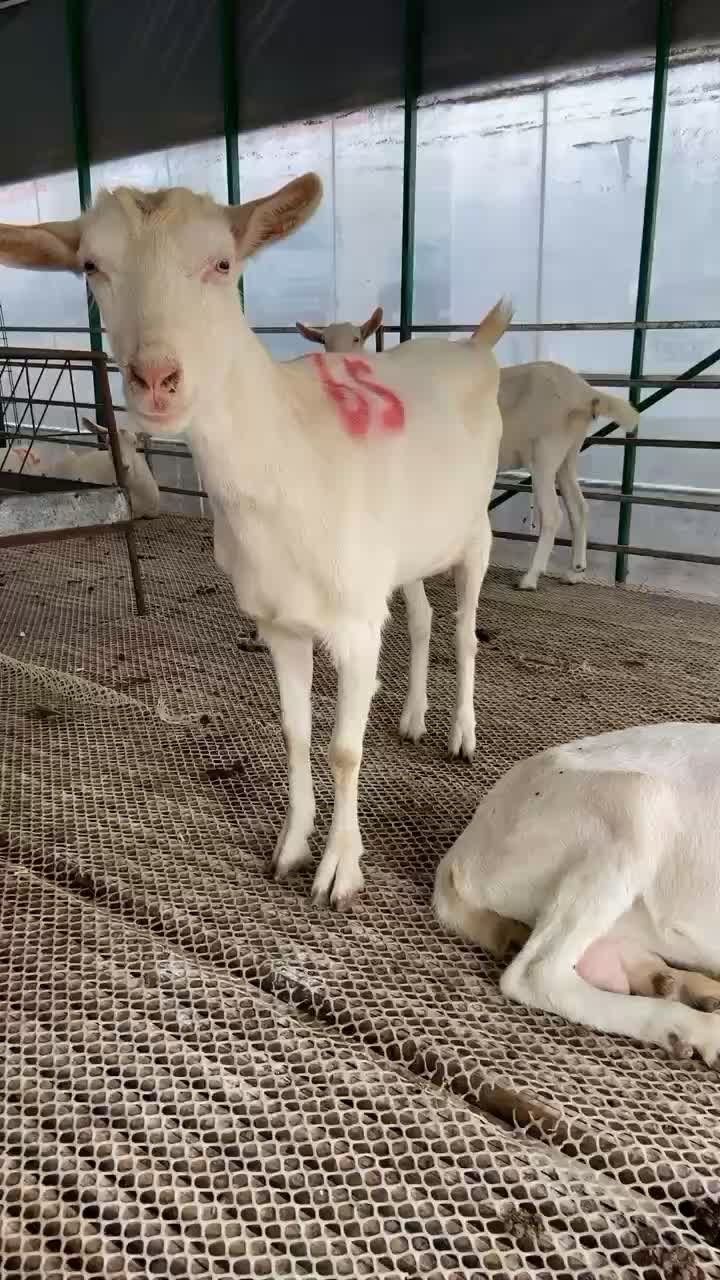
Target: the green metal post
(231, 109)
(75, 15)
(663, 38)
(413, 58)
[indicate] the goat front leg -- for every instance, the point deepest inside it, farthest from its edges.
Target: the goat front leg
(468, 581)
(583, 908)
(355, 650)
(292, 657)
(419, 618)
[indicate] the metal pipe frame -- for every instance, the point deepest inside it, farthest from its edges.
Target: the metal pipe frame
(75, 18)
(663, 37)
(231, 106)
(97, 362)
(413, 59)
(549, 326)
(686, 557)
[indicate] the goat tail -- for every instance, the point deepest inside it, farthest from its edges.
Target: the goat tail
(492, 327)
(621, 411)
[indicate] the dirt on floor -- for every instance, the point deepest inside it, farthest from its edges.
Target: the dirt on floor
(201, 1073)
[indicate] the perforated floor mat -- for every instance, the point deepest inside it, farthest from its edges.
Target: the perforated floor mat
(203, 1074)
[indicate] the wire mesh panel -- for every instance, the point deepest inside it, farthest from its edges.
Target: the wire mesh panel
(202, 1073)
(47, 488)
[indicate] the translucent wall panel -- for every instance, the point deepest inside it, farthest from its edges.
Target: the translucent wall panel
(597, 151)
(478, 212)
(293, 280)
(33, 297)
(346, 260)
(367, 198)
(686, 273)
(200, 166)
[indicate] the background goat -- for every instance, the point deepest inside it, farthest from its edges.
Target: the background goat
(58, 460)
(601, 859)
(333, 480)
(343, 337)
(547, 410)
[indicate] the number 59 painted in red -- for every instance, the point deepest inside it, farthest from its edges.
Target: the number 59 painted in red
(358, 409)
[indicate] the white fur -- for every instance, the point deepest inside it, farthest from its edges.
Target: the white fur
(607, 852)
(315, 527)
(546, 411)
(60, 461)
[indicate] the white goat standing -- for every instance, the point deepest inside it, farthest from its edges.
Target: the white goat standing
(546, 412)
(602, 860)
(333, 479)
(343, 337)
(58, 460)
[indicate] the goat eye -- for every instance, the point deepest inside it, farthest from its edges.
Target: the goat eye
(89, 266)
(223, 266)
(356, 339)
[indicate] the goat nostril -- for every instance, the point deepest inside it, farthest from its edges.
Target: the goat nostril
(170, 383)
(137, 377)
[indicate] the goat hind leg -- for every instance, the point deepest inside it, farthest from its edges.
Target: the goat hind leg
(657, 978)
(576, 507)
(544, 974)
(419, 617)
(550, 518)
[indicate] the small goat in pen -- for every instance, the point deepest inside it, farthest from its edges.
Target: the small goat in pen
(58, 460)
(343, 337)
(547, 410)
(601, 860)
(333, 480)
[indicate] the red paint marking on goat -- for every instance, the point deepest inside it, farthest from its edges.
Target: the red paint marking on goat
(393, 414)
(353, 404)
(24, 454)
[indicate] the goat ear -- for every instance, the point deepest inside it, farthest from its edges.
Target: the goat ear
(307, 331)
(372, 324)
(262, 222)
(49, 246)
(90, 425)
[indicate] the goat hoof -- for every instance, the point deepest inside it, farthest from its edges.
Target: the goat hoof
(290, 854)
(527, 584)
(412, 726)
(679, 1049)
(574, 576)
(707, 1004)
(338, 878)
(462, 742)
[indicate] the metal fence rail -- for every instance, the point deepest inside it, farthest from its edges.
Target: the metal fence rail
(690, 379)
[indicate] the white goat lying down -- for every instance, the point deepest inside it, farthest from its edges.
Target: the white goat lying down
(342, 337)
(58, 460)
(546, 412)
(602, 860)
(333, 479)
